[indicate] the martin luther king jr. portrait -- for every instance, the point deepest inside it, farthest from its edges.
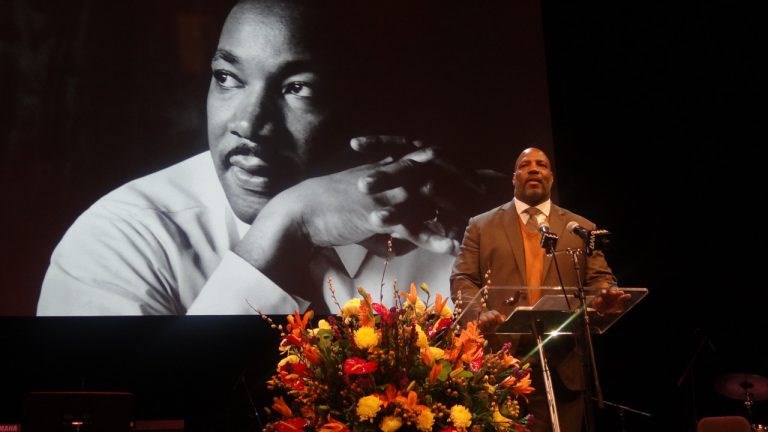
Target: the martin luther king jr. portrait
(344, 144)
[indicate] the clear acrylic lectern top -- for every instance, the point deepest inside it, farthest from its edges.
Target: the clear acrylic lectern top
(557, 310)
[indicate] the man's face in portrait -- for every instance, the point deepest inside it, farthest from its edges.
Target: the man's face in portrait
(267, 106)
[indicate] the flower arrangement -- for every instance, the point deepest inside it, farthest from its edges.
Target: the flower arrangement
(407, 368)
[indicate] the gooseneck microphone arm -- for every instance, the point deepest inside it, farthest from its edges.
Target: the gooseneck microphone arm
(549, 245)
(596, 239)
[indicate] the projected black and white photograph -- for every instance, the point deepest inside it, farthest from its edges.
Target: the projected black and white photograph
(188, 185)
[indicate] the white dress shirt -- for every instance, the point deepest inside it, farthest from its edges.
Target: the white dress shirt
(161, 245)
(521, 208)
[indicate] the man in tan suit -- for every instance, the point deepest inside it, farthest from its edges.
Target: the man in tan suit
(503, 244)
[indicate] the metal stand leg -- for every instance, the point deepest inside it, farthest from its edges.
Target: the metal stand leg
(550, 391)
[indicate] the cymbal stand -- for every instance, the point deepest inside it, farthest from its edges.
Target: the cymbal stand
(748, 402)
(621, 409)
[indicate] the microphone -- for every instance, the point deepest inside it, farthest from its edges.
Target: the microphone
(574, 228)
(548, 238)
(596, 239)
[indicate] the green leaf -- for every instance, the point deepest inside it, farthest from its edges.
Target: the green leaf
(324, 338)
(445, 371)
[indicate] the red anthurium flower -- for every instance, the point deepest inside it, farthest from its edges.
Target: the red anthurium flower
(449, 429)
(382, 311)
(441, 324)
(291, 380)
(293, 340)
(300, 369)
(333, 425)
(291, 425)
(358, 366)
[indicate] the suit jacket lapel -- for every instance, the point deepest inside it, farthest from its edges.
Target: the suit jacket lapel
(557, 226)
(511, 224)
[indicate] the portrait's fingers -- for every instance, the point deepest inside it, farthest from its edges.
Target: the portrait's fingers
(441, 181)
(391, 197)
(437, 243)
(380, 146)
(410, 171)
(430, 241)
(408, 213)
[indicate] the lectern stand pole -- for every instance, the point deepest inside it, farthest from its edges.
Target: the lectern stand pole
(591, 365)
(549, 389)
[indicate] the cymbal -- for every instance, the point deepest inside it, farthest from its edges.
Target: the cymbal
(743, 386)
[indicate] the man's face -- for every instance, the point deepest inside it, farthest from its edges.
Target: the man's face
(533, 177)
(266, 104)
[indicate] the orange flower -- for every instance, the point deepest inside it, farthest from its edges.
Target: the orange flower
(440, 308)
(520, 387)
(426, 356)
(365, 312)
(523, 387)
(467, 348)
(411, 296)
(411, 402)
(311, 353)
(389, 396)
(508, 361)
(434, 373)
(298, 322)
(281, 407)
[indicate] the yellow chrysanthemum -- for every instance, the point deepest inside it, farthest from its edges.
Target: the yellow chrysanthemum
(390, 424)
(366, 337)
(350, 308)
(421, 337)
(368, 407)
(425, 420)
(292, 358)
(460, 416)
(500, 420)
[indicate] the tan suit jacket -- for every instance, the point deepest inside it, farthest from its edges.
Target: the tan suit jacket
(493, 241)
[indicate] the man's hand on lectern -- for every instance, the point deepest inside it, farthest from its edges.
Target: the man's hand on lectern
(489, 321)
(611, 301)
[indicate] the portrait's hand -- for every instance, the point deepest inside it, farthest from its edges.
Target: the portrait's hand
(611, 301)
(399, 193)
(333, 211)
(436, 196)
(323, 211)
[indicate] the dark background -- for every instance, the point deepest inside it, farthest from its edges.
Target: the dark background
(657, 122)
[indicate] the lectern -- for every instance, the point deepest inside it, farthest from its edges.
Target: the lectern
(558, 310)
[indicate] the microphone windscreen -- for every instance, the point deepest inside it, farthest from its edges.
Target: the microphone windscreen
(571, 226)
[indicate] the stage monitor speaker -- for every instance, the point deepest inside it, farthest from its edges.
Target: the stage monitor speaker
(80, 411)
